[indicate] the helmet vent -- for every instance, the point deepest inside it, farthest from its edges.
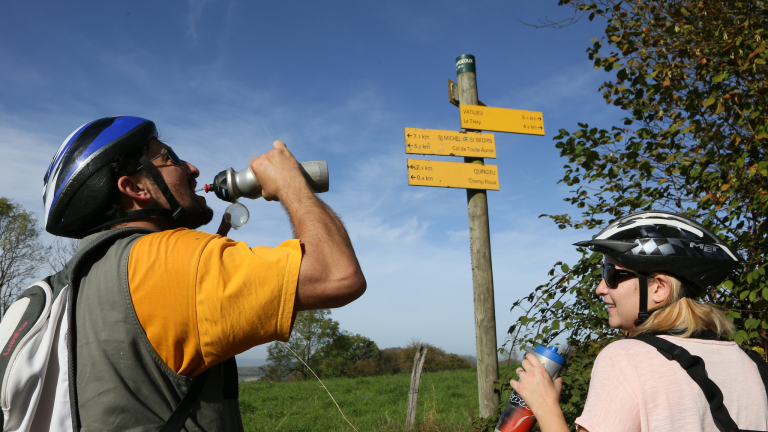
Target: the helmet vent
(669, 231)
(628, 234)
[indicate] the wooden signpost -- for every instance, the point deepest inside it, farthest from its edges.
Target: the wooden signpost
(476, 177)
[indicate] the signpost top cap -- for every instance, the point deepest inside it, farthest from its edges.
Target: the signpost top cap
(465, 63)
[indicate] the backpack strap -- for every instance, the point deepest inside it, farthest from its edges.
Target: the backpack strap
(230, 390)
(38, 300)
(22, 317)
(694, 366)
(181, 413)
(71, 274)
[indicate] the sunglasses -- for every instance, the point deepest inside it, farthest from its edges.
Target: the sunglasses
(174, 158)
(612, 275)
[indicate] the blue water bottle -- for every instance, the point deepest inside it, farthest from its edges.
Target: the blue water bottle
(517, 417)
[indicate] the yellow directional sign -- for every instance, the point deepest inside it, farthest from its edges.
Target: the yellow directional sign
(449, 143)
(501, 119)
(452, 174)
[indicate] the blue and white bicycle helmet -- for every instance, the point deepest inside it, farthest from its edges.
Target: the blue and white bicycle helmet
(659, 241)
(79, 185)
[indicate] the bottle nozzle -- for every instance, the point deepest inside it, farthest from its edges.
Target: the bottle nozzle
(207, 188)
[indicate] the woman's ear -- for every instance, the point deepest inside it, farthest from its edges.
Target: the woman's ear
(660, 289)
(134, 189)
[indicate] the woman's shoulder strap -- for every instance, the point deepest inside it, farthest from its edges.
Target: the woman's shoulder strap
(695, 367)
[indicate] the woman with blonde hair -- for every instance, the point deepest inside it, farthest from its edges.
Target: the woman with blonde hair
(675, 372)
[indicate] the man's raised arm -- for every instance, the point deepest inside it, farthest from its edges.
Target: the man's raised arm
(330, 274)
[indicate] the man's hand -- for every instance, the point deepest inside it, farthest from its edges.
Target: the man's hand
(279, 174)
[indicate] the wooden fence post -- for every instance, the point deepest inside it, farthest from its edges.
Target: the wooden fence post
(413, 393)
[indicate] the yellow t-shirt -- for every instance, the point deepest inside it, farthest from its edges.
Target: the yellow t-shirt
(202, 298)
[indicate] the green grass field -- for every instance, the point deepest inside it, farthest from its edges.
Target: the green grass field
(448, 401)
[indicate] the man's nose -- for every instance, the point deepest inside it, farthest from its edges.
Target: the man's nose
(193, 171)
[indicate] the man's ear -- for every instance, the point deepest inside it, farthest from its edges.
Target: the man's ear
(134, 189)
(661, 288)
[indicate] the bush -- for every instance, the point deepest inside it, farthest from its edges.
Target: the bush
(437, 359)
(389, 361)
(455, 362)
(362, 368)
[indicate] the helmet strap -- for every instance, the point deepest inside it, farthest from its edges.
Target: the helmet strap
(132, 215)
(153, 172)
(643, 313)
(688, 290)
(174, 213)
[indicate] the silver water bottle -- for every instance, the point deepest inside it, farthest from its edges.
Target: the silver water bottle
(230, 185)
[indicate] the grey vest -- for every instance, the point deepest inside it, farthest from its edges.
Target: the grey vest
(122, 383)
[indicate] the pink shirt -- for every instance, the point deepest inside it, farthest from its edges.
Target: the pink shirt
(635, 388)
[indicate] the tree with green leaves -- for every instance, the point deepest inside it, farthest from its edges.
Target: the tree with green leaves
(341, 357)
(21, 251)
(321, 344)
(312, 330)
(690, 77)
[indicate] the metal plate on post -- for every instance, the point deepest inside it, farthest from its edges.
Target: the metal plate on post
(449, 143)
(453, 94)
(501, 119)
(452, 174)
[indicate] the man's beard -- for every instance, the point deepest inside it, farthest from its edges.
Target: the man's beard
(195, 215)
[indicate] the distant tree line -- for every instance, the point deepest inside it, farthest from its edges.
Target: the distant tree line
(331, 352)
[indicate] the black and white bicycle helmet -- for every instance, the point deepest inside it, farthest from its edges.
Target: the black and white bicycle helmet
(660, 241)
(79, 184)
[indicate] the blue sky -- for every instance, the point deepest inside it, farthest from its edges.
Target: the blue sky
(335, 80)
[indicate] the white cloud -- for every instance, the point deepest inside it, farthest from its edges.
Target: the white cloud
(458, 235)
(373, 229)
(193, 16)
(575, 83)
(25, 157)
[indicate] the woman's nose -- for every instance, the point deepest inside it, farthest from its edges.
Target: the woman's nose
(602, 288)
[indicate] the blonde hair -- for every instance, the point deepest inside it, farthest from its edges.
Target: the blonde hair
(684, 316)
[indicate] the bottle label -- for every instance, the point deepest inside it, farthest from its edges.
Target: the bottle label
(517, 417)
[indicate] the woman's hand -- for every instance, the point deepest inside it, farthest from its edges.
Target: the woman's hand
(538, 390)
